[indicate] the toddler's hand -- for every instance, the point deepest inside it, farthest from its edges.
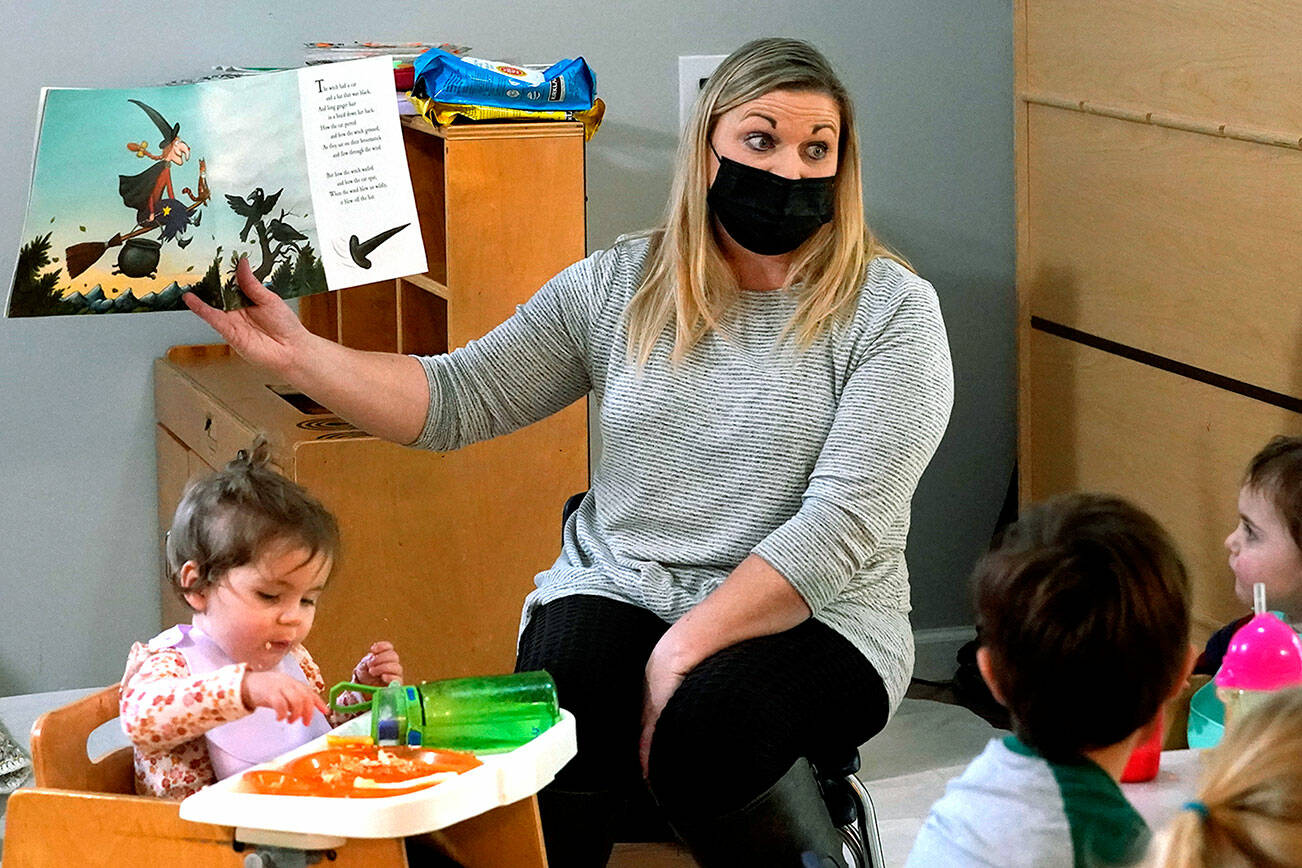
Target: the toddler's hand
(291, 699)
(379, 666)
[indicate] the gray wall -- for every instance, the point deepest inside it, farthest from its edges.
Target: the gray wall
(933, 86)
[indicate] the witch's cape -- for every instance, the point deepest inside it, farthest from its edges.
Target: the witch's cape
(136, 189)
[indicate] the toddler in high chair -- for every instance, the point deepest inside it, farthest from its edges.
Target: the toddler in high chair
(1266, 544)
(250, 552)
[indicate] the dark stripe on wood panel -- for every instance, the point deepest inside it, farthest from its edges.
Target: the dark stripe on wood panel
(1229, 384)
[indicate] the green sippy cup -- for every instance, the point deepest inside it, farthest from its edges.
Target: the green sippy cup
(483, 714)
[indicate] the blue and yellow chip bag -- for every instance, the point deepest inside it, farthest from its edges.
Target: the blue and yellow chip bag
(445, 78)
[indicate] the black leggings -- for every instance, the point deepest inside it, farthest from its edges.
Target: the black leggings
(734, 726)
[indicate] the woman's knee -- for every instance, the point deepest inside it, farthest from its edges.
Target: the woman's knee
(715, 747)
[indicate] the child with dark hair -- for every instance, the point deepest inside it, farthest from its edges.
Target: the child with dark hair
(1266, 544)
(249, 551)
(1083, 610)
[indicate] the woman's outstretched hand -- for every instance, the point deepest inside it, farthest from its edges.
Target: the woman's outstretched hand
(267, 333)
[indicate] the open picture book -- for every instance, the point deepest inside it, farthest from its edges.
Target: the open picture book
(141, 195)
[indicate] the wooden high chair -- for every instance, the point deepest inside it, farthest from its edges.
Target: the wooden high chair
(83, 811)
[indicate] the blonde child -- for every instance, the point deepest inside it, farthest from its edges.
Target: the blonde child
(1248, 810)
(250, 552)
(1266, 544)
(1083, 609)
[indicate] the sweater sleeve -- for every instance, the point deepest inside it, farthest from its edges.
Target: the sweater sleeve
(530, 366)
(890, 418)
(163, 705)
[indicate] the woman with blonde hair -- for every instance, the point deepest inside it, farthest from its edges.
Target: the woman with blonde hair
(731, 598)
(1248, 811)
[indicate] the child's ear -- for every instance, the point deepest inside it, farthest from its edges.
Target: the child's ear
(187, 577)
(1190, 660)
(986, 666)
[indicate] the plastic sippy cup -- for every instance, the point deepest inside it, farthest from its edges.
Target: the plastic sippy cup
(1265, 655)
(485, 714)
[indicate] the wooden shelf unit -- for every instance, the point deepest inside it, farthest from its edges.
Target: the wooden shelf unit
(439, 549)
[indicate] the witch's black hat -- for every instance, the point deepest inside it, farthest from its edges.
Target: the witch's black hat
(169, 131)
(360, 250)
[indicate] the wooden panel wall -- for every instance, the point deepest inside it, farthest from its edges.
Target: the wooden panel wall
(1174, 242)
(1159, 172)
(1178, 453)
(1208, 60)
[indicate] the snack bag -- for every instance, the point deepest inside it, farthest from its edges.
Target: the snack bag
(445, 113)
(567, 85)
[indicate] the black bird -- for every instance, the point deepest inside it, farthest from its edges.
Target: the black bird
(254, 209)
(281, 231)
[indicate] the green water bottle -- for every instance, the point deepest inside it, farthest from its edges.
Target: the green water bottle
(482, 714)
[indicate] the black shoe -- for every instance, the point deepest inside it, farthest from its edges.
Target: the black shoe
(785, 826)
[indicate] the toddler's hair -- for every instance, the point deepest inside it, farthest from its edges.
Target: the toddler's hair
(228, 518)
(1248, 812)
(1276, 473)
(1083, 607)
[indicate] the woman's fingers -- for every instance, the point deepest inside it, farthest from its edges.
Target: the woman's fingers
(251, 286)
(204, 311)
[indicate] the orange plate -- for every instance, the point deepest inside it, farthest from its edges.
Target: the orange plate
(331, 772)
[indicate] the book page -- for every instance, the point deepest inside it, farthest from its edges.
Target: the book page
(361, 189)
(141, 195)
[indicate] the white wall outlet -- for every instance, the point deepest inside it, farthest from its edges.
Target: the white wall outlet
(693, 70)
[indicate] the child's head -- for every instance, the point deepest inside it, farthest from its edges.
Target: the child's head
(1266, 544)
(1083, 612)
(249, 551)
(1248, 811)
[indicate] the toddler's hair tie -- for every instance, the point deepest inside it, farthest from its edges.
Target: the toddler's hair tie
(1197, 807)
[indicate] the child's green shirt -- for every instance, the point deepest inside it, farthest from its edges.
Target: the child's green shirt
(1011, 807)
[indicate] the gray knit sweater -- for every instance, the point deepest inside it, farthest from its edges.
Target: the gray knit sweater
(806, 458)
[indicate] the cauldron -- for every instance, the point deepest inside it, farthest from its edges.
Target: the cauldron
(138, 257)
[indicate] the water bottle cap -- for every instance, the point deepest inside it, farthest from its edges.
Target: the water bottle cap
(1264, 654)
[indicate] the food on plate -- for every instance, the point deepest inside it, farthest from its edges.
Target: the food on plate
(359, 771)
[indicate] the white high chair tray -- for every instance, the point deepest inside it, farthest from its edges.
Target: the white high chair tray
(502, 779)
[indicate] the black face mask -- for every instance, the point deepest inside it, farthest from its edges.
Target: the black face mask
(766, 213)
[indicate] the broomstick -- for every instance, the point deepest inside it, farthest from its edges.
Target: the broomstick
(79, 257)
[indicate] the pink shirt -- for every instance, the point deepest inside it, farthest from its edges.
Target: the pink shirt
(167, 710)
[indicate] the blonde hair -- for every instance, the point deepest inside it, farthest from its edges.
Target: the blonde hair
(687, 281)
(1251, 793)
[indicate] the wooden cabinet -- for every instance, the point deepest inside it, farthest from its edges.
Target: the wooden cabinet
(1159, 166)
(439, 549)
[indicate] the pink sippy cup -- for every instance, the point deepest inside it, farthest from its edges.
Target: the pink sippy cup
(1265, 655)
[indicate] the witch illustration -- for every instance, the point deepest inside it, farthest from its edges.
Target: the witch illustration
(150, 195)
(150, 192)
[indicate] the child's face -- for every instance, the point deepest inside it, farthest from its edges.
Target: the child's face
(1262, 550)
(257, 611)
